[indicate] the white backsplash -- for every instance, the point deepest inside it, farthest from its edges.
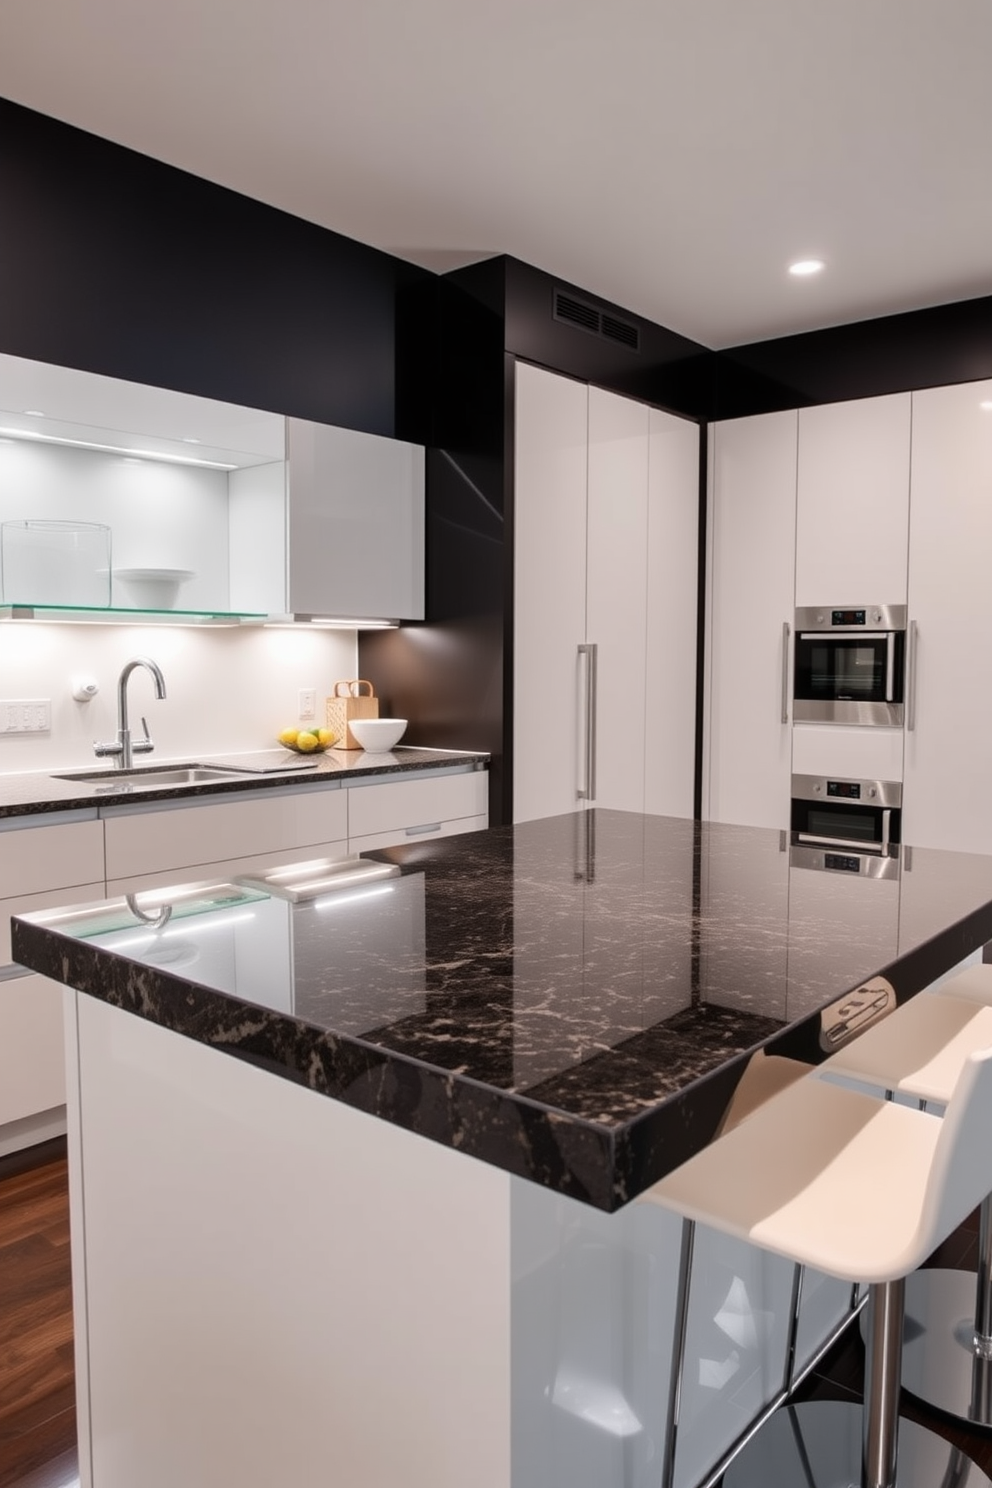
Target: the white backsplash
(228, 689)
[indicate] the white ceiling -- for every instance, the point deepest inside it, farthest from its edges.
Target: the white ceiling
(670, 155)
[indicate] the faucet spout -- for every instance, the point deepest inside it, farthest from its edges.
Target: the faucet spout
(124, 749)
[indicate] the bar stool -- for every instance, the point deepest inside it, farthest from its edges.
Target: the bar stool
(863, 1189)
(919, 1050)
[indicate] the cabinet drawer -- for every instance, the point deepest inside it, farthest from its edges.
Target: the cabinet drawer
(36, 858)
(25, 903)
(225, 870)
(401, 836)
(412, 803)
(182, 837)
(32, 1061)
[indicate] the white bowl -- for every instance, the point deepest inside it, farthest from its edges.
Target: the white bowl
(152, 588)
(376, 735)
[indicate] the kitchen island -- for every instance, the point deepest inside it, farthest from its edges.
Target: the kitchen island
(393, 1236)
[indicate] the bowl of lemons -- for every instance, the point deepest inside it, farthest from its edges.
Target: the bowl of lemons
(307, 738)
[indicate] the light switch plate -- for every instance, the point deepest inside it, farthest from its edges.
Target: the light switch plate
(308, 703)
(25, 716)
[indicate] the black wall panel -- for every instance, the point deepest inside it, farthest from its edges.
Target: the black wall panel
(115, 263)
(893, 354)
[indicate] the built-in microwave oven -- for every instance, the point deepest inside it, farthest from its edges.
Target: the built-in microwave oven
(850, 664)
(864, 815)
(846, 826)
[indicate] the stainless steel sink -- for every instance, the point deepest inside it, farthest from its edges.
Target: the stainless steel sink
(150, 778)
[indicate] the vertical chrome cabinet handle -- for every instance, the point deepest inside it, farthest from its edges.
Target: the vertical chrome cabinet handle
(587, 792)
(886, 828)
(914, 646)
(786, 632)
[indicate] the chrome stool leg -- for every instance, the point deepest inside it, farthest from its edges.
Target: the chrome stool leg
(947, 1358)
(831, 1444)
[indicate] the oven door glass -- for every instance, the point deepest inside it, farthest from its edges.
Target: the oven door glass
(858, 668)
(825, 821)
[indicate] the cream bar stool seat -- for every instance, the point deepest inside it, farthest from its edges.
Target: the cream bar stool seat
(863, 1189)
(919, 1050)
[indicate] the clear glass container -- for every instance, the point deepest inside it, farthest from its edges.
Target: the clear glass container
(55, 563)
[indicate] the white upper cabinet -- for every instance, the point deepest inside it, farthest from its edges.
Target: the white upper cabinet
(356, 523)
(122, 497)
(750, 583)
(947, 799)
(852, 514)
(605, 523)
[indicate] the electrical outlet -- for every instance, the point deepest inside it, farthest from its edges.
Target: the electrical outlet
(26, 716)
(308, 703)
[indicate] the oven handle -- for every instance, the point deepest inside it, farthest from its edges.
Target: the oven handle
(890, 667)
(914, 644)
(786, 632)
(846, 635)
(886, 827)
(858, 844)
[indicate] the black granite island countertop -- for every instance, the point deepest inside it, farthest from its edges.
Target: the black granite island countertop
(34, 793)
(574, 1000)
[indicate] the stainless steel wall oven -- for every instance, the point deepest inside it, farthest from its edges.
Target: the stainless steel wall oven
(850, 665)
(864, 815)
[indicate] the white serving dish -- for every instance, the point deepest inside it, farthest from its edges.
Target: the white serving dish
(152, 588)
(377, 735)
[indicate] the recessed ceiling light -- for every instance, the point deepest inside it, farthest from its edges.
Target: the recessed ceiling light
(188, 439)
(803, 267)
(986, 404)
(34, 413)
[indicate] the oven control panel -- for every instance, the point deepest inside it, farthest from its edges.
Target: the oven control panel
(868, 792)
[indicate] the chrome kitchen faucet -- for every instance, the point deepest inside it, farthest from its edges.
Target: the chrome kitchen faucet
(123, 750)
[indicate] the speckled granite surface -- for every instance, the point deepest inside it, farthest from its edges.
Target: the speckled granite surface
(574, 1000)
(30, 794)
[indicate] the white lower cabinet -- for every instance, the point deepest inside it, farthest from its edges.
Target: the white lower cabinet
(32, 1063)
(42, 864)
(408, 810)
(168, 836)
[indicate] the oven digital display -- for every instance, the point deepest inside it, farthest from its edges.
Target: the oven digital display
(847, 617)
(849, 790)
(843, 862)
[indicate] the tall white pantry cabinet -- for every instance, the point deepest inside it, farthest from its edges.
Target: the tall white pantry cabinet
(880, 500)
(605, 545)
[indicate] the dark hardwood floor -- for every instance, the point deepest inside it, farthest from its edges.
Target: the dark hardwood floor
(37, 1410)
(37, 1403)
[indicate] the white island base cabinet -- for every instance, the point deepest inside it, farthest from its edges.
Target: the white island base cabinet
(273, 1288)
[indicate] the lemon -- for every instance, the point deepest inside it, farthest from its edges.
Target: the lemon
(289, 736)
(326, 736)
(306, 741)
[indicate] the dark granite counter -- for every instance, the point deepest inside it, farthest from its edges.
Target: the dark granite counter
(34, 793)
(574, 1000)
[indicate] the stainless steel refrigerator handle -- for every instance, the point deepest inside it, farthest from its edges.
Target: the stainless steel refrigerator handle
(886, 827)
(786, 632)
(914, 644)
(589, 650)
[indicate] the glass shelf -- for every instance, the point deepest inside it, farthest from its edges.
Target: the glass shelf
(118, 615)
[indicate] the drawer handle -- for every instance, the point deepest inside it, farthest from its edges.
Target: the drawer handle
(420, 831)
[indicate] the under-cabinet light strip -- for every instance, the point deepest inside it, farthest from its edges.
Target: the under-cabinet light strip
(114, 449)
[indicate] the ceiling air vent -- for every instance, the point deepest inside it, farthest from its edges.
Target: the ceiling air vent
(615, 329)
(586, 317)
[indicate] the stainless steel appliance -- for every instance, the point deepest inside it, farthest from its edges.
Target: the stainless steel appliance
(850, 664)
(846, 826)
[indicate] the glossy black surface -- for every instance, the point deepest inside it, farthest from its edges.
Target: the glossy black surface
(119, 264)
(574, 1000)
(37, 794)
